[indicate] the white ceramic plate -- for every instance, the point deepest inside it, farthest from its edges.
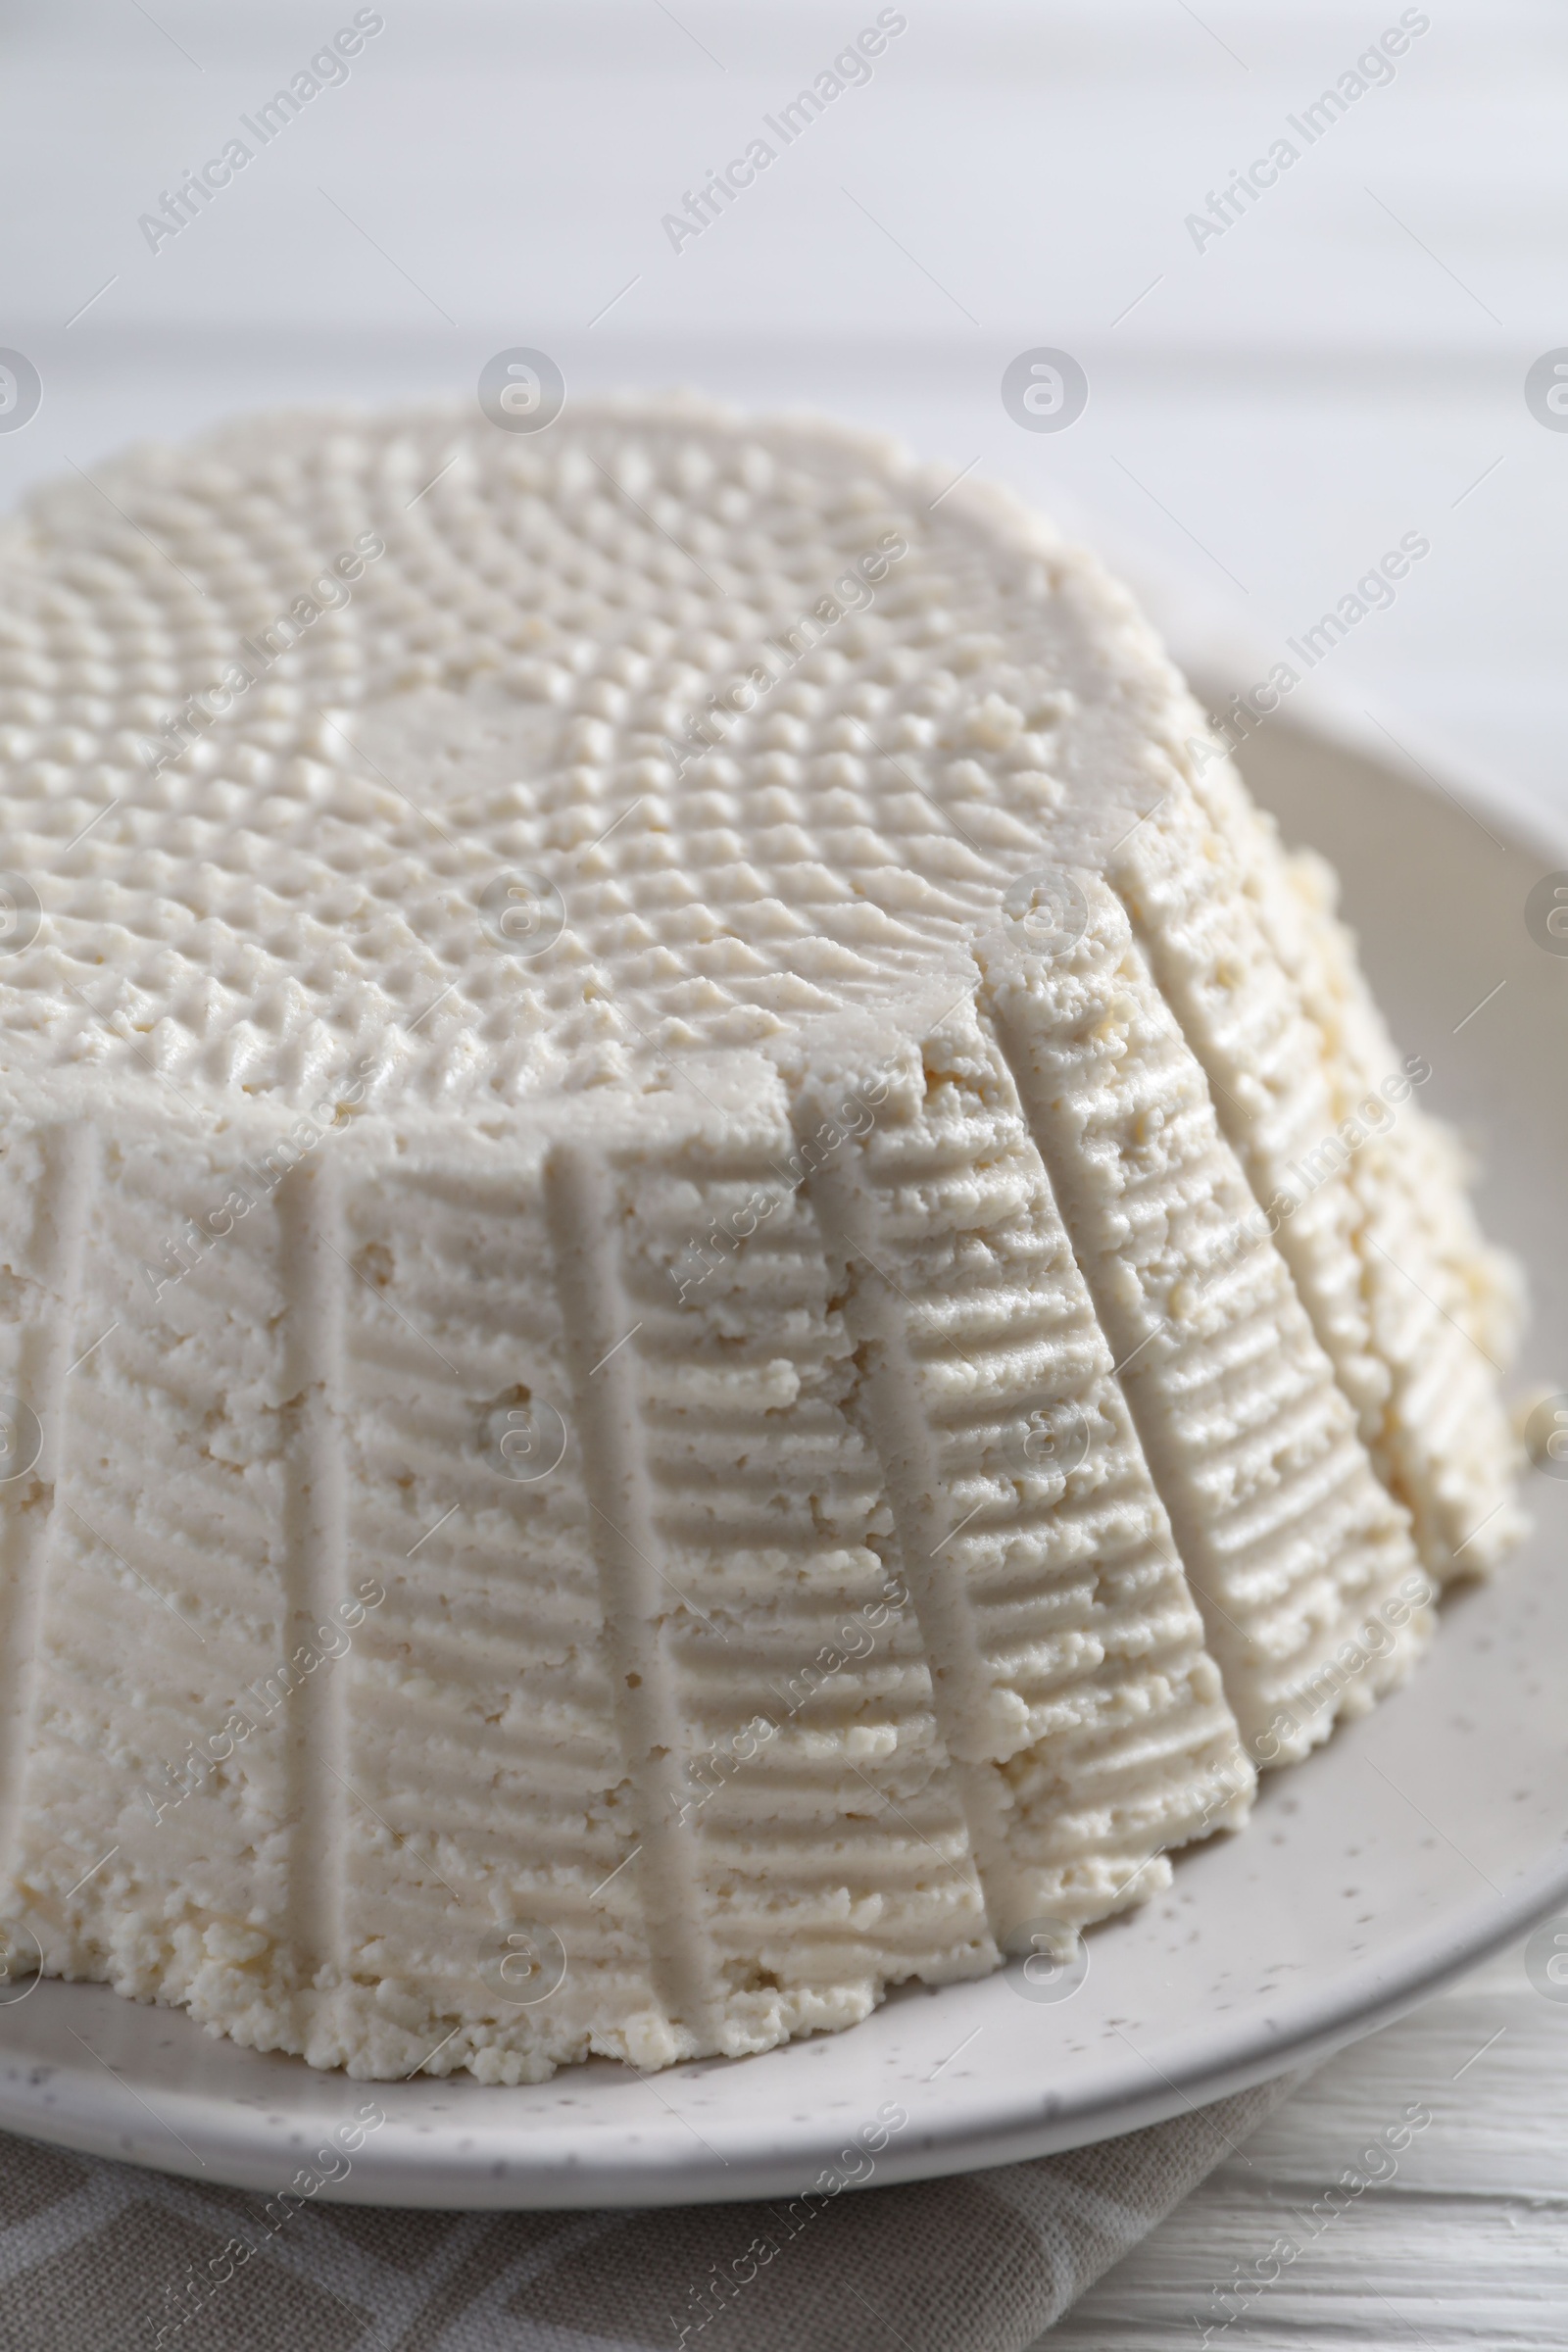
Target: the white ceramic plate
(1419, 1840)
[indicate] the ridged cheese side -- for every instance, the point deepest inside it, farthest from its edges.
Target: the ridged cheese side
(163, 1590)
(713, 1709)
(1366, 1193)
(1070, 1679)
(1292, 1544)
(830, 1845)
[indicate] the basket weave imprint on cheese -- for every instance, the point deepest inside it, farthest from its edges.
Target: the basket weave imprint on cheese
(637, 1129)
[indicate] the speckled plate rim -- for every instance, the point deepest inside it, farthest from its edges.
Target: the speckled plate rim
(966, 2066)
(424, 2157)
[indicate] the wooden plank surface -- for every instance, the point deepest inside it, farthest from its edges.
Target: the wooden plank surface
(1459, 2239)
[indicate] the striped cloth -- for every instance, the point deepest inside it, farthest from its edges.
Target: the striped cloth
(98, 2257)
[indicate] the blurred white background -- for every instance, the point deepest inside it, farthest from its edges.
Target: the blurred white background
(1343, 364)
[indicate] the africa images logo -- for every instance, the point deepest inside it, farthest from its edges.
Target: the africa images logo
(182, 204)
(850, 69)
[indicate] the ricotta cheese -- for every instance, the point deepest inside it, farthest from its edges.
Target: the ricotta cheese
(655, 1370)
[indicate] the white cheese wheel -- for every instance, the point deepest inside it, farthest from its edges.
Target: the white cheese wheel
(701, 1310)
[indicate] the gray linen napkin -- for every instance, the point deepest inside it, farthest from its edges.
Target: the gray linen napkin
(98, 2257)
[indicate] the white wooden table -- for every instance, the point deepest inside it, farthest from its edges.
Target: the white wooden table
(1266, 415)
(1460, 2239)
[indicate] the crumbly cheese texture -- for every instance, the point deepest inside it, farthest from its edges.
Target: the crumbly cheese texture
(655, 1374)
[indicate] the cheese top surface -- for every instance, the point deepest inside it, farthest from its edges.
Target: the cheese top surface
(477, 764)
